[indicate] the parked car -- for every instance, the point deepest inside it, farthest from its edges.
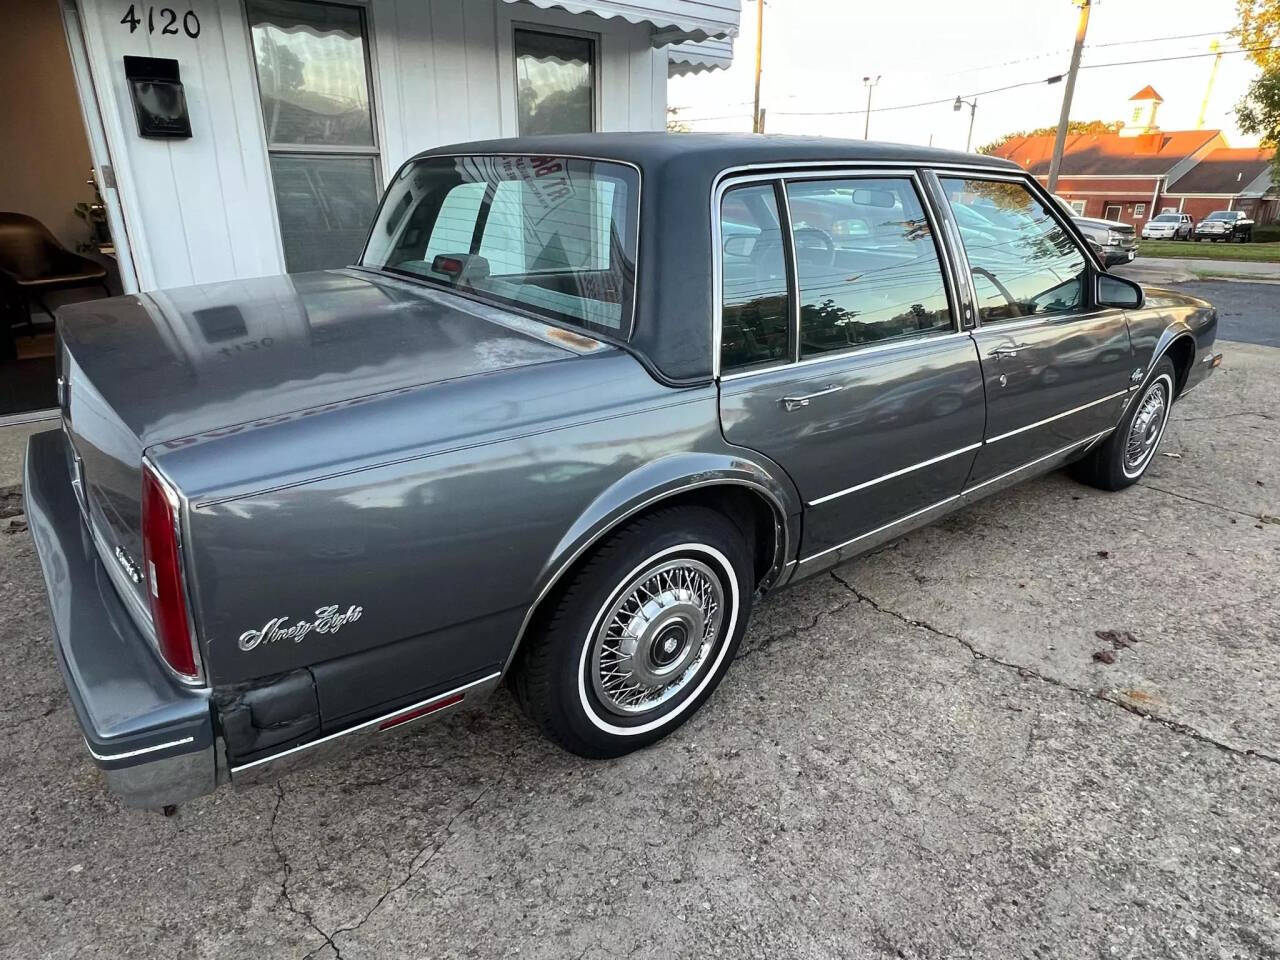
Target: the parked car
(562, 431)
(1112, 241)
(1227, 225)
(1168, 226)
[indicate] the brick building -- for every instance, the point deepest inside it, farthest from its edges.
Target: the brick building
(1141, 170)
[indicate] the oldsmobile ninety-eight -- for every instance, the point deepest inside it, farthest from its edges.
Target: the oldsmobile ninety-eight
(581, 401)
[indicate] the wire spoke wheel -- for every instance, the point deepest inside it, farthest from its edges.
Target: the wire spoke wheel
(656, 637)
(1146, 427)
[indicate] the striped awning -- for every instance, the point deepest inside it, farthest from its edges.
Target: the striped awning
(695, 56)
(671, 21)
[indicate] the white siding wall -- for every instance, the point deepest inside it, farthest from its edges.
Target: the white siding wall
(202, 210)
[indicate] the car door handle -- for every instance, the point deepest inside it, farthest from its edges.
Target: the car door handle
(795, 403)
(1009, 350)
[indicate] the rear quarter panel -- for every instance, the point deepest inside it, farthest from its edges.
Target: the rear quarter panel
(437, 514)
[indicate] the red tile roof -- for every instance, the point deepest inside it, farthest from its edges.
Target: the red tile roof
(1226, 171)
(1147, 93)
(1109, 154)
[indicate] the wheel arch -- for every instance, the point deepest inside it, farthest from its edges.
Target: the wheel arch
(744, 490)
(1178, 343)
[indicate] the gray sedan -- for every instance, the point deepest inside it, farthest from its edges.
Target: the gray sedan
(581, 403)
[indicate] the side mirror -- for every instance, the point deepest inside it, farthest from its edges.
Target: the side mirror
(739, 245)
(1119, 292)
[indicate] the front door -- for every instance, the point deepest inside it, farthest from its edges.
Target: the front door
(841, 358)
(1056, 366)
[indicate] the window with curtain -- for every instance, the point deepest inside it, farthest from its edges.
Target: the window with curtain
(313, 78)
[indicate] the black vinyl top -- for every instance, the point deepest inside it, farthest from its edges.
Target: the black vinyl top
(674, 299)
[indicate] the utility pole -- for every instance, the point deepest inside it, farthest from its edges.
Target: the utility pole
(756, 125)
(1061, 140)
(1215, 48)
(871, 85)
(973, 111)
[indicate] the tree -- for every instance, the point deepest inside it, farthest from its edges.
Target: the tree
(1260, 28)
(1073, 127)
(1259, 111)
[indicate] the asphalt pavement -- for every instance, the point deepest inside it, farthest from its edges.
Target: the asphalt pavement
(950, 748)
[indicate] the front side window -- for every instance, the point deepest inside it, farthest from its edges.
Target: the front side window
(867, 267)
(552, 235)
(313, 80)
(1023, 262)
(555, 82)
(755, 315)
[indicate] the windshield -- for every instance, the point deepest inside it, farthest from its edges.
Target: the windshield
(1166, 218)
(553, 235)
(1221, 215)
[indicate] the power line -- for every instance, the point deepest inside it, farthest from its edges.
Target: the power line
(1013, 86)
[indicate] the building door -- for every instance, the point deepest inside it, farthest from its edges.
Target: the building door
(317, 110)
(1055, 365)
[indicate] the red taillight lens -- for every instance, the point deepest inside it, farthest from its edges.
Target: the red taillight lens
(162, 573)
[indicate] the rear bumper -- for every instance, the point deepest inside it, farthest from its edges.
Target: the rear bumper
(151, 736)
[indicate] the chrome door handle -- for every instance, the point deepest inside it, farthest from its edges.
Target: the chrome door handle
(795, 403)
(1006, 351)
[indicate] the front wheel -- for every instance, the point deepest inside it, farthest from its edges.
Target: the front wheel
(1122, 459)
(642, 635)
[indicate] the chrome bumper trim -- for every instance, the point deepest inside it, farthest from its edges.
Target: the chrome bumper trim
(108, 757)
(258, 771)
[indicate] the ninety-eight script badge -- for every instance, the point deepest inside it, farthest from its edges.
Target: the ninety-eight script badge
(328, 620)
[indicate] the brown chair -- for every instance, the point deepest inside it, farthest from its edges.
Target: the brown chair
(33, 263)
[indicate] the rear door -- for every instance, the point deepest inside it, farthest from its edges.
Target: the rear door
(1057, 367)
(841, 356)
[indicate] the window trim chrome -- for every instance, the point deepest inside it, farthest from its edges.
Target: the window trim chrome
(785, 174)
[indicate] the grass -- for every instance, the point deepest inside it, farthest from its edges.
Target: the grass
(1256, 252)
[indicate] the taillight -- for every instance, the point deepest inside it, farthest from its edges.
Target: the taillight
(162, 573)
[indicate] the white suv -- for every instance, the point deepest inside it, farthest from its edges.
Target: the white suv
(1168, 226)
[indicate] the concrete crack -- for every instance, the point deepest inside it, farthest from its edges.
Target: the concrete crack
(1226, 416)
(1103, 695)
(1204, 503)
(790, 632)
(284, 880)
(419, 863)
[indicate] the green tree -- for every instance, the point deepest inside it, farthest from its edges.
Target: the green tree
(1259, 112)
(1073, 127)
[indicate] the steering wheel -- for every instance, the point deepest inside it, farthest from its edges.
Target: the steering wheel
(821, 255)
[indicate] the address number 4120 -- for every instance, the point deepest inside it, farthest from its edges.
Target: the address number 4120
(161, 20)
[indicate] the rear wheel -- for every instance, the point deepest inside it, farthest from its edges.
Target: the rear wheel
(642, 635)
(1122, 459)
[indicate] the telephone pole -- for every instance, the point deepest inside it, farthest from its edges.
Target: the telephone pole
(871, 85)
(756, 125)
(1061, 140)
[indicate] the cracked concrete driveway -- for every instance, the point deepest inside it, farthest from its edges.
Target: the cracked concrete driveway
(916, 756)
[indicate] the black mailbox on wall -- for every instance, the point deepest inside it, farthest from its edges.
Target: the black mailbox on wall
(158, 100)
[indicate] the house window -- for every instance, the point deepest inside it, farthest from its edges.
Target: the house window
(1077, 206)
(1139, 211)
(555, 82)
(313, 79)
(1113, 212)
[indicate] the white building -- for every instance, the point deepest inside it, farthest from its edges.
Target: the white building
(298, 112)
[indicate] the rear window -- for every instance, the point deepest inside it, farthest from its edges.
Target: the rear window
(553, 235)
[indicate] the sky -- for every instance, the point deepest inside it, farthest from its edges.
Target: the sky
(816, 53)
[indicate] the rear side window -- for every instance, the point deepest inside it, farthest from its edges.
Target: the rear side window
(755, 312)
(1023, 262)
(867, 266)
